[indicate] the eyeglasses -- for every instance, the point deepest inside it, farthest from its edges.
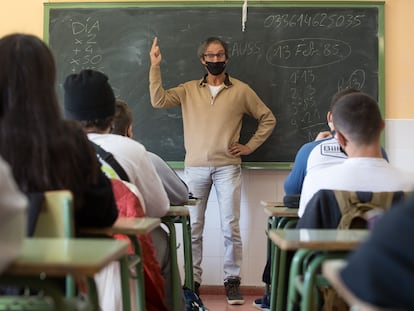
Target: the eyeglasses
(211, 56)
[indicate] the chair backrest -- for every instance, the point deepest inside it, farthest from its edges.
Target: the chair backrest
(55, 216)
(360, 209)
(337, 209)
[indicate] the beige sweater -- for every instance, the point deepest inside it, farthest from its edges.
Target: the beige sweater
(211, 125)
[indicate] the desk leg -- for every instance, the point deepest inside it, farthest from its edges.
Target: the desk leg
(281, 273)
(139, 277)
(272, 223)
(310, 275)
(273, 288)
(70, 287)
(188, 252)
(92, 294)
(294, 272)
(176, 288)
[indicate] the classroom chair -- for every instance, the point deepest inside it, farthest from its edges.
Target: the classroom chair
(280, 216)
(347, 210)
(50, 214)
(180, 214)
(55, 219)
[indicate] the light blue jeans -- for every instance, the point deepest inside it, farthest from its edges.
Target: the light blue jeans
(227, 183)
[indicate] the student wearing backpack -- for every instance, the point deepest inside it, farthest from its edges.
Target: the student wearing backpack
(379, 274)
(89, 99)
(175, 187)
(323, 152)
(358, 124)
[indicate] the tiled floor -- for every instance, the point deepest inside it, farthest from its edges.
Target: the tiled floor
(214, 298)
(219, 303)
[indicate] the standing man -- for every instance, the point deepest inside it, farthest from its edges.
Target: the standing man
(212, 110)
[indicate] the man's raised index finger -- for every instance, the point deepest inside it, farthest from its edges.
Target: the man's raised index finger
(155, 42)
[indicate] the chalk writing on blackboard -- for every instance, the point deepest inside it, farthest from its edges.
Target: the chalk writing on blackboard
(84, 43)
(318, 19)
(294, 57)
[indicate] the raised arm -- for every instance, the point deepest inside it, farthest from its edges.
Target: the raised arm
(155, 53)
(160, 98)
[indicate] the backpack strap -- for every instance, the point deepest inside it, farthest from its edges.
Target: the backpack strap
(110, 159)
(352, 208)
(382, 200)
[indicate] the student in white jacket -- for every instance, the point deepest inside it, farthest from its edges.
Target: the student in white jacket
(89, 99)
(175, 187)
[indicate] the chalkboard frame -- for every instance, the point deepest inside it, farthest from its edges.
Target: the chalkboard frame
(379, 5)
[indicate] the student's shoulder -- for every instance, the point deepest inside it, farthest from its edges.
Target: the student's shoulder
(325, 173)
(308, 147)
(155, 158)
(327, 152)
(117, 142)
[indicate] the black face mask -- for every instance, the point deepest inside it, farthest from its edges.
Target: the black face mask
(215, 68)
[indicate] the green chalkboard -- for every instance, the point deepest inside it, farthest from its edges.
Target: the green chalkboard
(295, 55)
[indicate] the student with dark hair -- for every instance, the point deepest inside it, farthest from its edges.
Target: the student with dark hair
(175, 187)
(44, 151)
(358, 125)
(123, 119)
(324, 151)
(89, 99)
(13, 217)
(213, 109)
(312, 157)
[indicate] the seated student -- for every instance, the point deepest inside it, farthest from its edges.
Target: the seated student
(128, 199)
(358, 124)
(324, 151)
(13, 205)
(338, 209)
(46, 152)
(175, 187)
(328, 154)
(89, 99)
(379, 274)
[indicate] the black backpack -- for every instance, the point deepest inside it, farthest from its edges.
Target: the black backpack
(112, 162)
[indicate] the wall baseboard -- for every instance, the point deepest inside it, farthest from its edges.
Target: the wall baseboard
(219, 290)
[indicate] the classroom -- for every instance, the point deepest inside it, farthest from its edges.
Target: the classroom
(267, 184)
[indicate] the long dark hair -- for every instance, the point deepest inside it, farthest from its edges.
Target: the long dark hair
(43, 150)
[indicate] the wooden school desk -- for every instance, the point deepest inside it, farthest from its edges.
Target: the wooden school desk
(279, 217)
(131, 227)
(57, 257)
(305, 241)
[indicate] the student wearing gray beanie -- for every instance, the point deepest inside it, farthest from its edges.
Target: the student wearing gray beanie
(89, 99)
